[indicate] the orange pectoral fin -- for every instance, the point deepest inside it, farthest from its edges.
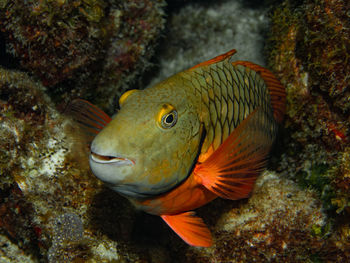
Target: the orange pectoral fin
(190, 228)
(230, 172)
(219, 58)
(91, 119)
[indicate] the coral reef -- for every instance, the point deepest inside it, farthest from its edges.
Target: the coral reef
(67, 233)
(308, 51)
(76, 46)
(274, 225)
(47, 192)
(53, 209)
(10, 252)
(280, 222)
(53, 38)
(32, 160)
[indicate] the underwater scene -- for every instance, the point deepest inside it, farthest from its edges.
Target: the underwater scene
(188, 131)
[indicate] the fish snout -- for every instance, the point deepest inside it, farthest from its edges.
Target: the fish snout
(103, 153)
(111, 169)
(108, 159)
(108, 165)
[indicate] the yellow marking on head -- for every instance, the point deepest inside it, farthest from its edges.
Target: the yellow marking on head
(126, 95)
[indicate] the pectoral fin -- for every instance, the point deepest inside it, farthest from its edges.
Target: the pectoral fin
(190, 228)
(90, 118)
(230, 172)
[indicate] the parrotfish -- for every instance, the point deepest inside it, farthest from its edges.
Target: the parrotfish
(203, 133)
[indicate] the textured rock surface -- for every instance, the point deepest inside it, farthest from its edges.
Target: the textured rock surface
(309, 52)
(53, 209)
(82, 48)
(50, 202)
(274, 225)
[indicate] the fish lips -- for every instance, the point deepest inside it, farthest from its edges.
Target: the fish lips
(111, 160)
(110, 169)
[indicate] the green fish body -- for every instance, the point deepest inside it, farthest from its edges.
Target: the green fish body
(202, 133)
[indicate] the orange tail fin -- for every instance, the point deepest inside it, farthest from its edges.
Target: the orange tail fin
(230, 172)
(276, 89)
(190, 228)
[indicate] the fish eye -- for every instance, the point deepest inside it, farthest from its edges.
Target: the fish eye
(169, 119)
(167, 116)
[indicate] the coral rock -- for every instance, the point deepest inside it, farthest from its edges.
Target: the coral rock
(308, 52)
(275, 225)
(80, 48)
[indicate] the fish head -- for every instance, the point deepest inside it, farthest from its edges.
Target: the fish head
(151, 143)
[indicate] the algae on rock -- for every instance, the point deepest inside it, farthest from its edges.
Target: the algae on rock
(87, 49)
(308, 51)
(45, 178)
(46, 187)
(274, 225)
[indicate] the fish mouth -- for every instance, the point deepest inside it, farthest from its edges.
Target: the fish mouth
(107, 159)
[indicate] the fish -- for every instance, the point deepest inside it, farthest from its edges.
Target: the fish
(203, 133)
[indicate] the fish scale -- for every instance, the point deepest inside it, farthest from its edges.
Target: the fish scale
(229, 93)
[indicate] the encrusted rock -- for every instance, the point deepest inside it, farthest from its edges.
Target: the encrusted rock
(82, 48)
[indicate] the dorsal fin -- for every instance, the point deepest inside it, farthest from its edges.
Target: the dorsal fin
(276, 89)
(216, 59)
